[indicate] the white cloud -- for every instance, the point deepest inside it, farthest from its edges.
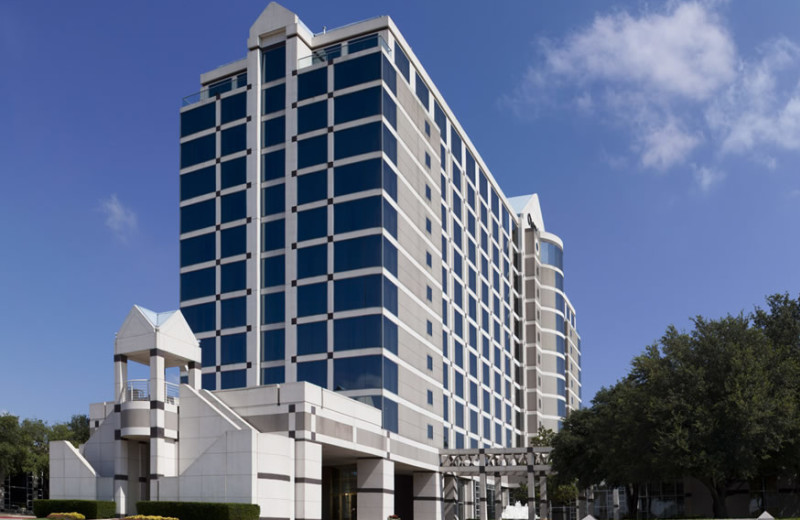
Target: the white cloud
(671, 79)
(707, 177)
(758, 108)
(119, 219)
(666, 145)
(685, 51)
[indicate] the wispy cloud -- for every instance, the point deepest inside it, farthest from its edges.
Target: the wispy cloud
(707, 177)
(120, 220)
(673, 81)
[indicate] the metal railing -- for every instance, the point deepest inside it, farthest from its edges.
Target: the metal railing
(343, 49)
(217, 88)
(139, 390)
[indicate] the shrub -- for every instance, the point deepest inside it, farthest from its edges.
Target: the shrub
(148, 517)
(66, 516)
(88, 508)
(200, 510)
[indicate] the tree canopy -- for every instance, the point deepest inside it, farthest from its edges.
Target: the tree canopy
(24, 445)
(719, 403)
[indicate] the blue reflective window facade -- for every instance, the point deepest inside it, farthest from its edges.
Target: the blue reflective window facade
(273, 345)
(233, 312)
(314, 372)
(357, 253)
(274, 99)
(357, 373)
(312, 117)
(273, 165)
(273, 235)
(273, 200)
(233, 349)
(272, 308)
(273, 63)
(312, 338)
(233, 277)
(359, 104)
(197, 284)
(312, 83)
(233, 172)
(357, 214)
(312, 187)
(233, 241)
(233, 108)
(356, 71)
(273, 131)
(359, 176)
(311, 151)
(198, 182)
(312, 261)
(357, 293)
(198, 119)
(551, 254)
(233, 379)
(233, 206)
(273, 271)
(198, 216)
(198, 249)
(312, 223)
(233, 140)
(273, 376)
(312, 299)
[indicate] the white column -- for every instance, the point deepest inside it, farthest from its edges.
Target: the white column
(449, 496)
(498, 496)
(615, 498)
(121, 476)
(531, 487)
(375, 485)
(194, 374)
(469, 498)
(427, 493)
(120, 376)
(543, 509)
(308, 480)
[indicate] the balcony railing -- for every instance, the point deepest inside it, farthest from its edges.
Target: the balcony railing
(343, 49)
(217, 88)
(139, 390)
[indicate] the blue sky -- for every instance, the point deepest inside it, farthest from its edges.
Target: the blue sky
(663, 140)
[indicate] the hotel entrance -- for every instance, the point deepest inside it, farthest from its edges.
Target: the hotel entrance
(339, 497)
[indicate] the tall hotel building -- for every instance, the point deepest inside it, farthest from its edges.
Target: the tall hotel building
(338, 227)
(364, 296)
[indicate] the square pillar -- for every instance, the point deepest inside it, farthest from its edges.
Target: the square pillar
(121, 477)
(450, 497)
(615, 498)
(427, 495)
(120, 377)
(498, 496)
(469, 498)
(308, 480)
(544, 511)
(531, 487)
(482, 501)
(194, 374)
(375, 487)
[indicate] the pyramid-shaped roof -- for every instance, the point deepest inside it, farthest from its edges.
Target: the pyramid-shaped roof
(168, 332)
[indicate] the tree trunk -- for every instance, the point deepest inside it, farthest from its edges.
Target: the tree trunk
(632, 499)
(719, 492)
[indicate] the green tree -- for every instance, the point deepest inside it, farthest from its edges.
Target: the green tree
(724, 404)
(11, 453)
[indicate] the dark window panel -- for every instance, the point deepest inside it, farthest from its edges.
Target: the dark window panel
(198, 182)
(198, 119)
(196, 284)
(198, 249)
(233, 277)
(233, 108)
(198, 216)
(198, 150)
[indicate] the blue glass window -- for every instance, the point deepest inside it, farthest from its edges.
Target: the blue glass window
(456, 146)
(233, 206)
(359, 176)
(357, 293)
(357, 253)
(357, 333)
(357, 140)
(312, 83)
(274, 99)
(389, 375)
(198, 249)
(272, 308)
(312, 223)
(196, 284)
(233, 241)
(208, 351)
(312, 261)
(390, 112)
(314, 372)
(233, 349)
(233, 172)
(198, 182)
(312, 187)
(390, 415)
(356, 373)
(389, 144)
(198, 150)
(273, 376)
(390, 256)
(233, 108)
(273, 345)
(273, 200)
(273, 131)
(440, 120)
(197, 216)
(422, 92)
(273, 165)
(389, 335)
(401, 61)
(551, 254)
(233, 140)
(273, 63)
(272, 235)
(312, 117)
(233, 277)
(312, 338)
(209, 381)
(201, 318)
(390, 296)
(312, 299)
(358, 70)
(233, 312)
(273, 271)
(311, 151)
(359, 104)
(198, 119)
(357, 214)
(233, 379)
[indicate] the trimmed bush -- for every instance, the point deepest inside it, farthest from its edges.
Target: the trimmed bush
(200, 510)
(66, 516)
(88, 508)
(145, 517)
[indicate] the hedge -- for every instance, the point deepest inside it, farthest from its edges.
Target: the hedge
(200, 510)
(88, 508)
